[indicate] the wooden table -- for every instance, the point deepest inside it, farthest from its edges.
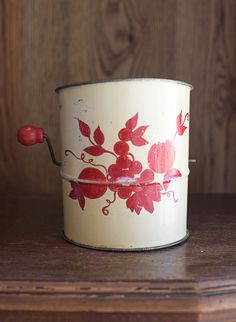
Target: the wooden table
(44, 278)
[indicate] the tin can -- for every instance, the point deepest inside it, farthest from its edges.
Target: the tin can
(124, 162)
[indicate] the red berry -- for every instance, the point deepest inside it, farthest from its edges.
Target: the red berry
(92, 190)
(146, 176)
(125, 134)
(136, 167)
(124, 192)
(121, 148)
(114, 171)
(127, 173)
(124, 162)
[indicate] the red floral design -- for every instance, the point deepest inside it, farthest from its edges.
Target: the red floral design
(126, 177)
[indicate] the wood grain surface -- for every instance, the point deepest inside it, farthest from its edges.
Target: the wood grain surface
(46, 43)
(44, 278)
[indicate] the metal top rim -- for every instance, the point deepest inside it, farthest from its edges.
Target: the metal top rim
(123, 80)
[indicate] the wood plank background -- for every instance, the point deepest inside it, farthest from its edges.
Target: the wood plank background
(46, 43)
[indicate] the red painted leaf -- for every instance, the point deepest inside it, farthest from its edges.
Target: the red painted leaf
(148, 204)
(139, 141)
(179, 120)
(153, 191)
(180, 126)
(74, 185)
(139, 131)
(81, 200)
(73, 194)
(156, 196)
(84, 128)
(98, 136)
(131, 202)
(181, 129)
(132, 122)
(77, 194)
(138, 210)
(172, 173)
(94, 150)
(166, 184)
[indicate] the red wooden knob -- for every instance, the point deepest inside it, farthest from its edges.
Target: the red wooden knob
(30, 135)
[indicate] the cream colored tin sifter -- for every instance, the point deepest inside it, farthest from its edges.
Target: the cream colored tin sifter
(124, 162)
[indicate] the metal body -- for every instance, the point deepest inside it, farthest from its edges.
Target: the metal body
(124, 153)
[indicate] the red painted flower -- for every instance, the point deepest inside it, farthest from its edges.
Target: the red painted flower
(161, 156)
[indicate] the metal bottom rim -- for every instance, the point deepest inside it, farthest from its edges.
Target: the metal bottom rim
(178, 242)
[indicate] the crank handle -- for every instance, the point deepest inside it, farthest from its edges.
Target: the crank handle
(30, 135)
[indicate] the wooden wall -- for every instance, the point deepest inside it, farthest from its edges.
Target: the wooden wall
(45, 43)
